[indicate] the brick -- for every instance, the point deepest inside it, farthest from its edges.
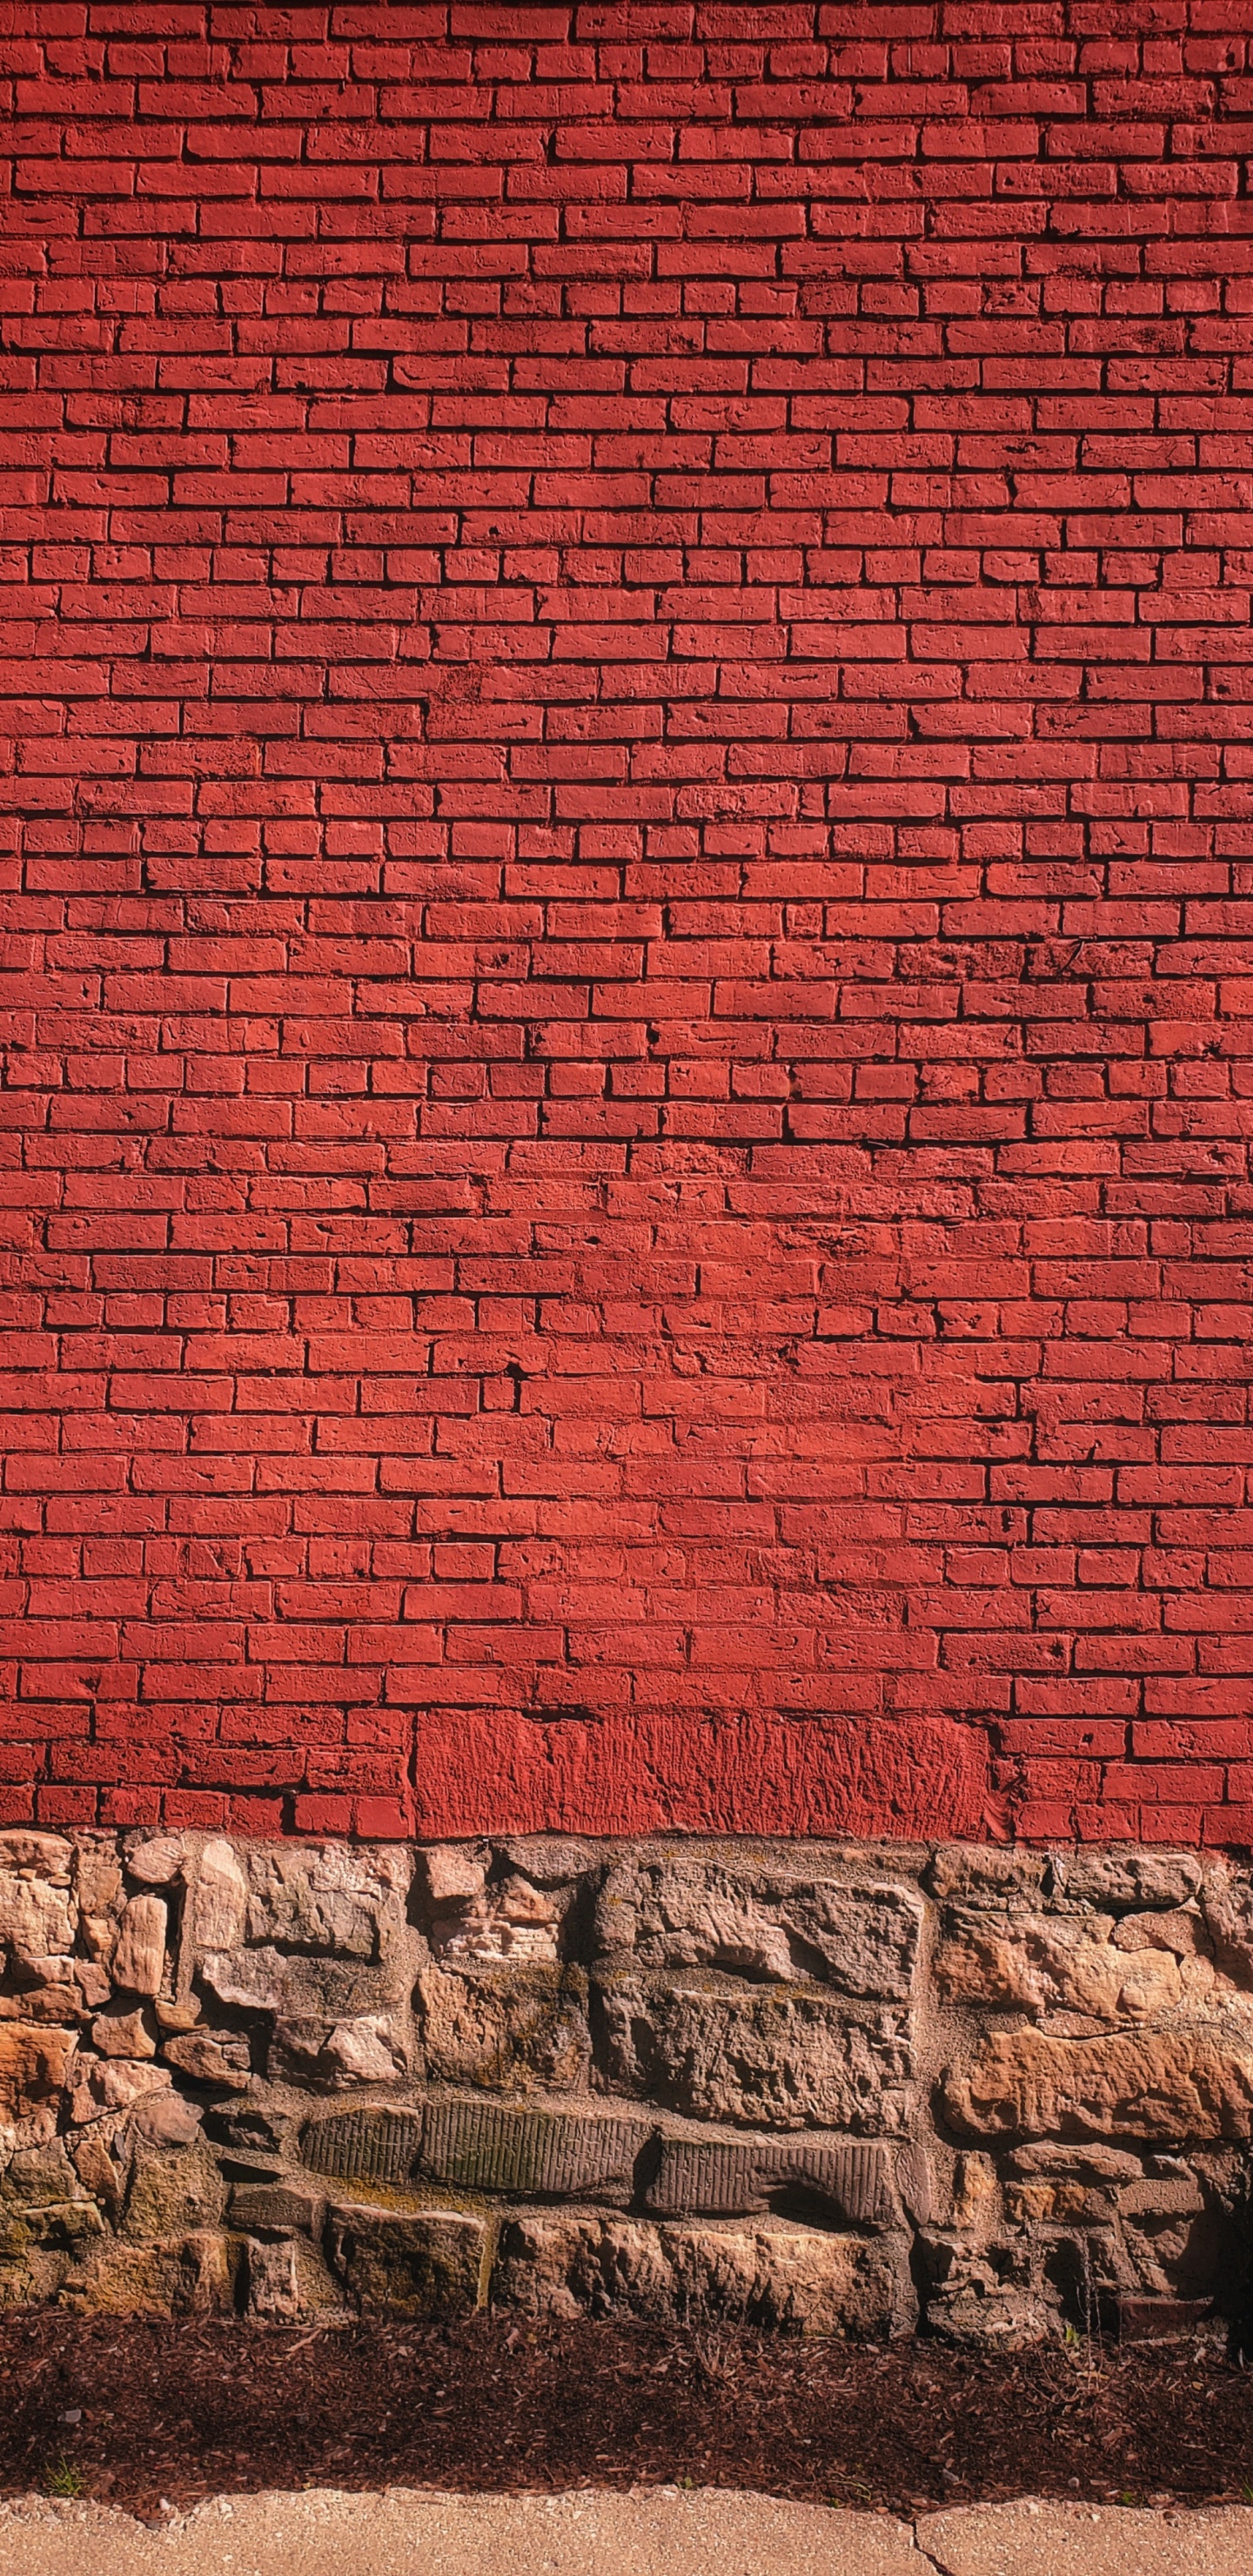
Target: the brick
(623, 900)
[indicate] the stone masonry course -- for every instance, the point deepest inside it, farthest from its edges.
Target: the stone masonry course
(316, 2080)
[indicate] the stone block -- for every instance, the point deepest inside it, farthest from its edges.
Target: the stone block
(191, 2276)
(157, 1862)
(275, 2209)
(427, 2264)
(862, 1938)
(844, 2178)
(37, 1918)
(35, 2062)
(167, 2120)
(1070, 1963)
(1177, 2084)
(1125, 1880)
(124, 2034)
(300, 1988)
(219, 1899)
(178, 2193)
(513, 2029)
(220, 2062)
(138, 1962)
(330, 1897)
(566, 2265)
(105, 2084)
(369, 2145)
(536, 2155)
(360, 2051)
(760, 2056)
(511, 1921)
(985, 1875)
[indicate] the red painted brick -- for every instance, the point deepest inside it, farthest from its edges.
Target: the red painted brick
(625, 956)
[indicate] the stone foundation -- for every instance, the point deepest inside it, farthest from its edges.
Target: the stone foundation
(998, 2093)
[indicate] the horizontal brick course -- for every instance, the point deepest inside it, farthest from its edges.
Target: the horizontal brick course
(626, 969)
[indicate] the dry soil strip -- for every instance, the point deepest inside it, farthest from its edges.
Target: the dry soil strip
(658, 2531)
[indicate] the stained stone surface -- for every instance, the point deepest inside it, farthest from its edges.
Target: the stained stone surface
(775, 2058)
(813, 2281)
(813, 2086)
(395, 2264)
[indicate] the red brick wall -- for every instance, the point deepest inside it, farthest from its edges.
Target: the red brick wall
(626, 942)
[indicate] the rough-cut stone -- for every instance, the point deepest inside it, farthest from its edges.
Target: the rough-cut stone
(272, 2281)
(35, 2060)
(847, 2178)
(764, 2057)
(166, 2119)
(369, 2145)
(159, 1862)
(277, 2209)
(1125, 1880)
(452, 1873)
(424, 2264)
(220, 1901)
(363, 2051)
(112, 2084)
(173, 2194)
(223, 2064)
(329, 1897)
(986, 2314)
(515, 2029)
(1044, 1963)
(1194, 2083)
(861, 1938)
(512, 1921)
(1228, 1909)
(123, 2034)
(37, 1918)
(187, 2278)
(982, 1874)
(772, 2275)
(138, 1963)
(296, 1986)
(539, 2155)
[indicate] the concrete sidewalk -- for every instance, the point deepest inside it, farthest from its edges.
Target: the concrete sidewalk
(656, 2532)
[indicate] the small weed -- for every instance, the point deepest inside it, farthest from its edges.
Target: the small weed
(857, 2488)
(1246, 2493)
(61, 2478)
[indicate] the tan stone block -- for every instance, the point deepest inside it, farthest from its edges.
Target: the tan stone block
(220, 1899)
(769, 2057)
(1178, 2084)
(812, 2281)
(1046, 1963)
(37, 1918)
(505, 2030)
(861, 1937)
(139, 1959)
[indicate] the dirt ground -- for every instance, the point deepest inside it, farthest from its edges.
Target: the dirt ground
(134, 2414)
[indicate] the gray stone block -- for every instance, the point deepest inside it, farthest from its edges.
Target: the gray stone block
(369, 2145)
(535, 2155)
(846, 2178)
